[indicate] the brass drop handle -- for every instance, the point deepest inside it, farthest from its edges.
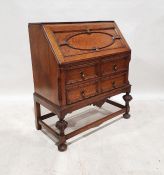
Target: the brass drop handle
(115, 67)
(82, 75)
(83, 93)
(113, 84)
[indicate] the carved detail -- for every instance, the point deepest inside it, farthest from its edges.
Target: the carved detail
(61, 125)
(99, 103)
(127, 97)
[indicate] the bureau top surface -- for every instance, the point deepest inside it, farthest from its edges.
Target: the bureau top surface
(76, 41)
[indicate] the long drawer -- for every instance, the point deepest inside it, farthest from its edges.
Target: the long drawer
(81, 73)
(114, 82)
(81, 92)
(113, 66)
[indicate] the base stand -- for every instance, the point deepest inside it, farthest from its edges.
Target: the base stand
(62, 124)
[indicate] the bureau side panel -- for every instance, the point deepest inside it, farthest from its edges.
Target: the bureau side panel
(44, 64)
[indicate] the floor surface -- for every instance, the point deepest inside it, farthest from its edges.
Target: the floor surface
(117, 147)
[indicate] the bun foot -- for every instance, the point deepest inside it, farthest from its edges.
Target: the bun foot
(126, 116)
(38, 127)
(62, 147)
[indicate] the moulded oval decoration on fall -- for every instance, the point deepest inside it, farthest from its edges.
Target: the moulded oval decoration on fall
(90, 40)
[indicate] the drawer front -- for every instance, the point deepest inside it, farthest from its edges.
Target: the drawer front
(109, 67)
(108, 84)
(75, 94)
(80, 74)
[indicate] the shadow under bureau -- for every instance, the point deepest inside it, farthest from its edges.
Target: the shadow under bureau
(76, 64)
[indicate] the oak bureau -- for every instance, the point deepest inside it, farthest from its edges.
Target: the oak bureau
(76, 64)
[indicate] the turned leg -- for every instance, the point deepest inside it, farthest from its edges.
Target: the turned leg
(37, 115)
(61, 125)
(127, 98)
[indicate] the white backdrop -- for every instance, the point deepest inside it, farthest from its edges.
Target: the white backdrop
(124, 147)
(141, 22)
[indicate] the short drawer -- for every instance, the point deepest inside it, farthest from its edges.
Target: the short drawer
(82, 92)
(109, 67)
(80, 73)
(111, 83)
